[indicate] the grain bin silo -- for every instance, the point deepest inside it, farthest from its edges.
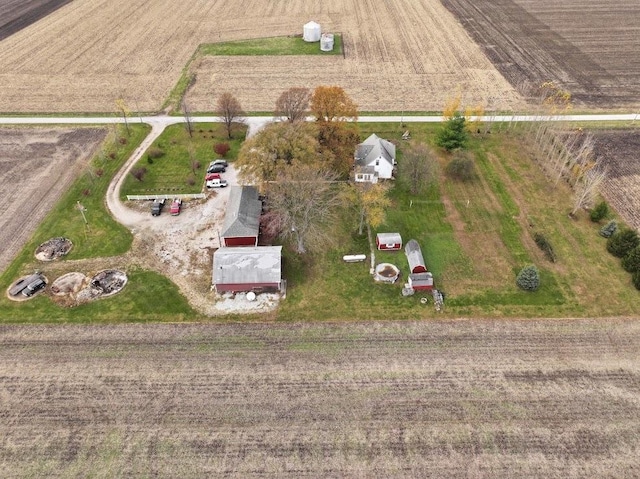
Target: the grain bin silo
(311, 32)
(326, 42)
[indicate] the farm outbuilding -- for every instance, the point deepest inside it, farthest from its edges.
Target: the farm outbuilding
(311, 32)
(421, 281)
(375, 159)
(414, 257)
(389, 241)
(247, 268)
(242, 219)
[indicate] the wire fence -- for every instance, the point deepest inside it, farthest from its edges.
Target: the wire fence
(187, 196)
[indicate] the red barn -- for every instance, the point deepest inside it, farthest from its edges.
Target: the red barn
(414, 257)
(248, 268)
(389, 241)
(242, 218)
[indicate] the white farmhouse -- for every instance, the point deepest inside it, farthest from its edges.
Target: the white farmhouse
(375, 159)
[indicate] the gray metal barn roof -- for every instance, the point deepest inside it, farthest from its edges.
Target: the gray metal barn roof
(414, 254)
(242, 217)
(247, 265)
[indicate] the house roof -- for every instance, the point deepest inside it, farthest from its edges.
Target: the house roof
(414, 254)
(247, 265)
(389, 238)
(373, 148)
(243, 213)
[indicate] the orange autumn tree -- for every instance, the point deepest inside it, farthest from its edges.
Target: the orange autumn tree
(338, 136)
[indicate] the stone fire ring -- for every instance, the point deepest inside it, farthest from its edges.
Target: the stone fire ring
(386, 273)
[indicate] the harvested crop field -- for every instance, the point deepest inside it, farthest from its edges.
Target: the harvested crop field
(618, 150)
(588, 47)
(548, 399)
(36, 167)
(18, 14)
(400, 54)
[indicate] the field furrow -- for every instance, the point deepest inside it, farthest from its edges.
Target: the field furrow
(543, 398)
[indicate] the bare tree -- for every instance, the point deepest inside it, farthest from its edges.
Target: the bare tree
(187, 117)
(122, 108)
(585, 190)
(230, 110)
(304, 202)
(293, 104)
(418, 168)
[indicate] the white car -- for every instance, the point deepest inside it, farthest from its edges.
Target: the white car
(216, 183)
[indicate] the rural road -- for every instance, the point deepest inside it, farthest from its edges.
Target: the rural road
(130, 218)
(258, 121)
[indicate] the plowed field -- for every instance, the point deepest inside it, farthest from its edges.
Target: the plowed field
(545, 399)
(18, 14)
(37, 166)
(619, 152)
(400, 54)
(589, 47)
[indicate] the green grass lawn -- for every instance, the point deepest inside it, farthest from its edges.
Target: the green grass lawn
(475, 247)
(147, 296)
(292, 45)
(173, 172)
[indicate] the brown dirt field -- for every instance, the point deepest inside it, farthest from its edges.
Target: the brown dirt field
(36, 167)
(501, 399)
(619, 152)
(587, 47)
(400, 54)
(18, 14)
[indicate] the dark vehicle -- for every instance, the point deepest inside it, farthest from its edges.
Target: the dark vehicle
(175, 207)
(219, 161)
(217, 168)
(19, 286)
(33, 287)
(156, 207)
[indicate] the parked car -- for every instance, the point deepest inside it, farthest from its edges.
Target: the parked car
(212, 176)
(175, 207)
(156, 207)
(216, 168)
(219, 161)
(33, 287)
(216, 183)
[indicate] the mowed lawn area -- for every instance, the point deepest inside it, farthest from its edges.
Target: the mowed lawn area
(475, 237)
(181, 161)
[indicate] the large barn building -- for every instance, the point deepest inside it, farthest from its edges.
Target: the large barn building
(247, 268)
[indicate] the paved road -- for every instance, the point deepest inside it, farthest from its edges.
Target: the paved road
(257, 121)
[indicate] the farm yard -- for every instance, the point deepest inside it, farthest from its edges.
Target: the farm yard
(89, 53)
(586, 47)
(37, 167)
(541, 399)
